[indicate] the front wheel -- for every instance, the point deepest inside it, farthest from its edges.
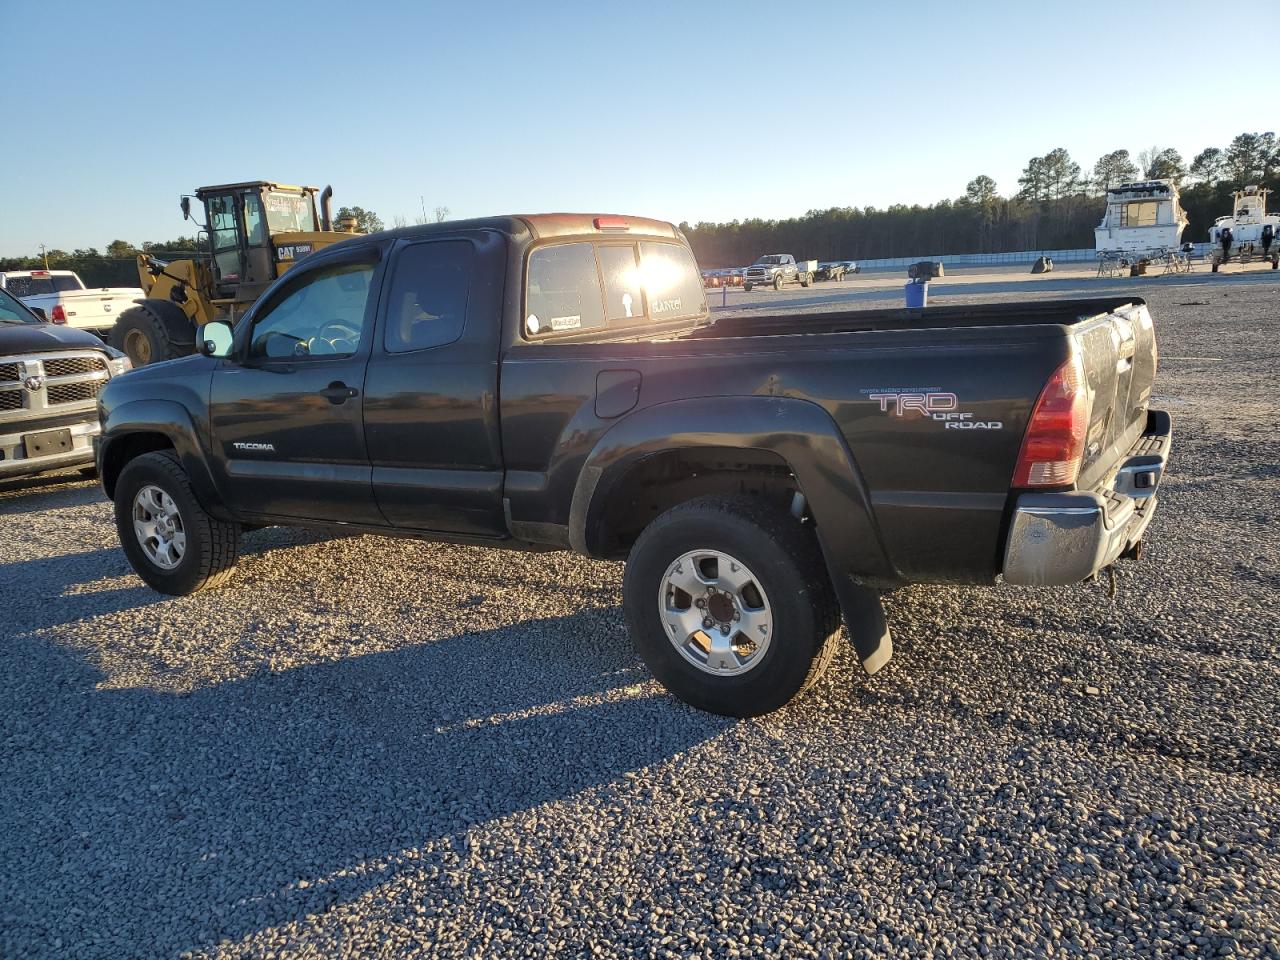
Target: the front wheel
(804, 279)
(171, 542)
(728, 602)
(777, 282)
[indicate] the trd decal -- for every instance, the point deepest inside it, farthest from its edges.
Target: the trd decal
(939, 405)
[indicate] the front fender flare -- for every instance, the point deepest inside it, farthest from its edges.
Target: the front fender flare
(806, 438)
(173, 421)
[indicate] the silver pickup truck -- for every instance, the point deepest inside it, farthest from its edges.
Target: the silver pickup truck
(776, 269)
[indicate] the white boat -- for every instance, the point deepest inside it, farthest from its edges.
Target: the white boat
(1143, 221)
(1250, 232)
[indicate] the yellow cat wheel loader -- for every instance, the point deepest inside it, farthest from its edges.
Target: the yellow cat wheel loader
(256, 231)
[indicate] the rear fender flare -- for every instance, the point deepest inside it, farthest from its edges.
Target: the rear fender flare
(805, 437)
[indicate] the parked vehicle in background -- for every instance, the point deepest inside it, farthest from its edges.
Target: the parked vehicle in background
(851, 266)
(50, 377)
(830, 270)
(760, 475)
(60, 296)
(712, 278)
(1249, 233)
(777, 269)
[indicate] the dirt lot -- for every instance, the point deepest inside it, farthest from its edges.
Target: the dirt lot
(378, 747)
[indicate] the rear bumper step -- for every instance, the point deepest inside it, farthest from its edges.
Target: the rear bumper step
(1061, 538)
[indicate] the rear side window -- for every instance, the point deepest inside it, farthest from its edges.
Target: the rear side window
(564, 289)
(671, 281)
(429, 291)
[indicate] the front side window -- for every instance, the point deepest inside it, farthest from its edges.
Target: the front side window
(12, 312)
(564, 290)
(427, 306)
(321, 317)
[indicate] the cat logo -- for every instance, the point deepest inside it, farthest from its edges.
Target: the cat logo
(293, 251)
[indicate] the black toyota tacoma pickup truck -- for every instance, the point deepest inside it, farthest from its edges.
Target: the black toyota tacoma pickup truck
(556, 382)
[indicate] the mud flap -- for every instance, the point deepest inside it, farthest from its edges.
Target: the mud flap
(864, 618)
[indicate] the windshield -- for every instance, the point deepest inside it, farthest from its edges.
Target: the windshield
(11, 311)
(289, 212)
(38, 286)
(772, 258)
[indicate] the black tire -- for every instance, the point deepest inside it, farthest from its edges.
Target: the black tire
(804, 279)
(1214, 268)
(786, 561)
(777, 282)
(144, 333)
(212, 545)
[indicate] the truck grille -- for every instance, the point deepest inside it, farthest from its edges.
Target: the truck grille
(70, 366)
(33, 386)
(73, 392)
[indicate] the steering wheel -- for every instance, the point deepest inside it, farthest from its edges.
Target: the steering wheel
(336, 336)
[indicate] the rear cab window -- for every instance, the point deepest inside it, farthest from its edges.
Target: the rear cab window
(581, 286)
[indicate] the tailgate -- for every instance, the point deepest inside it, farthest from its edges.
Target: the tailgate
(90, 308)
(1118, 350)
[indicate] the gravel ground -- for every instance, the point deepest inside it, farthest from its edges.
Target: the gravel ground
(376, 747)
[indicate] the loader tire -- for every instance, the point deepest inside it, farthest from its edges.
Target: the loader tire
(145, 333)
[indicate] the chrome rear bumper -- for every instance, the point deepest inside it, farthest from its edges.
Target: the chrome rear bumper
(1061, 538)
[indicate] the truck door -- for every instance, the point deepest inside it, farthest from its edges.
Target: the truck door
(285, 415)
(431, 393)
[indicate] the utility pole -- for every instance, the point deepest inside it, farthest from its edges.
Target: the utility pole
(44, 253)
(423, 200)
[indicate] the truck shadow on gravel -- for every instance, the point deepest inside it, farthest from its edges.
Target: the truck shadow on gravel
(38, 494)
(150, 822)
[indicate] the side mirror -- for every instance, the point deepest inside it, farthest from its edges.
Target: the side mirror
(185, 203)
(216, 339)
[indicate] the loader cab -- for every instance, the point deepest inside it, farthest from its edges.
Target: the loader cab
(244, 220)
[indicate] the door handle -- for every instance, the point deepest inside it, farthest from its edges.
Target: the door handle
(339, 392)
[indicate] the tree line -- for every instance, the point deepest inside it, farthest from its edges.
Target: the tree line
(1055, 207)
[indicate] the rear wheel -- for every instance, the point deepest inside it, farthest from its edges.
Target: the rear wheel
(144, 336)
(804, 279)
(172, 543)
(729, 604)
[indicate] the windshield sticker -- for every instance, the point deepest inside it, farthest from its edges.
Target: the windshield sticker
(532, 323)
(938, 405)
(566, 323)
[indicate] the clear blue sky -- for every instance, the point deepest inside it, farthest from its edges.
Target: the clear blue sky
(114, 108)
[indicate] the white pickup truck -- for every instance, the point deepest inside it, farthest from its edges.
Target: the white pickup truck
(60, 296)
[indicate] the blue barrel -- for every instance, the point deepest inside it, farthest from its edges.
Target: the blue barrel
(917, 294)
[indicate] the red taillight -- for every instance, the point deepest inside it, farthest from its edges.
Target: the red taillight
(59, 315)
(611, 223)
(1054, 442)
